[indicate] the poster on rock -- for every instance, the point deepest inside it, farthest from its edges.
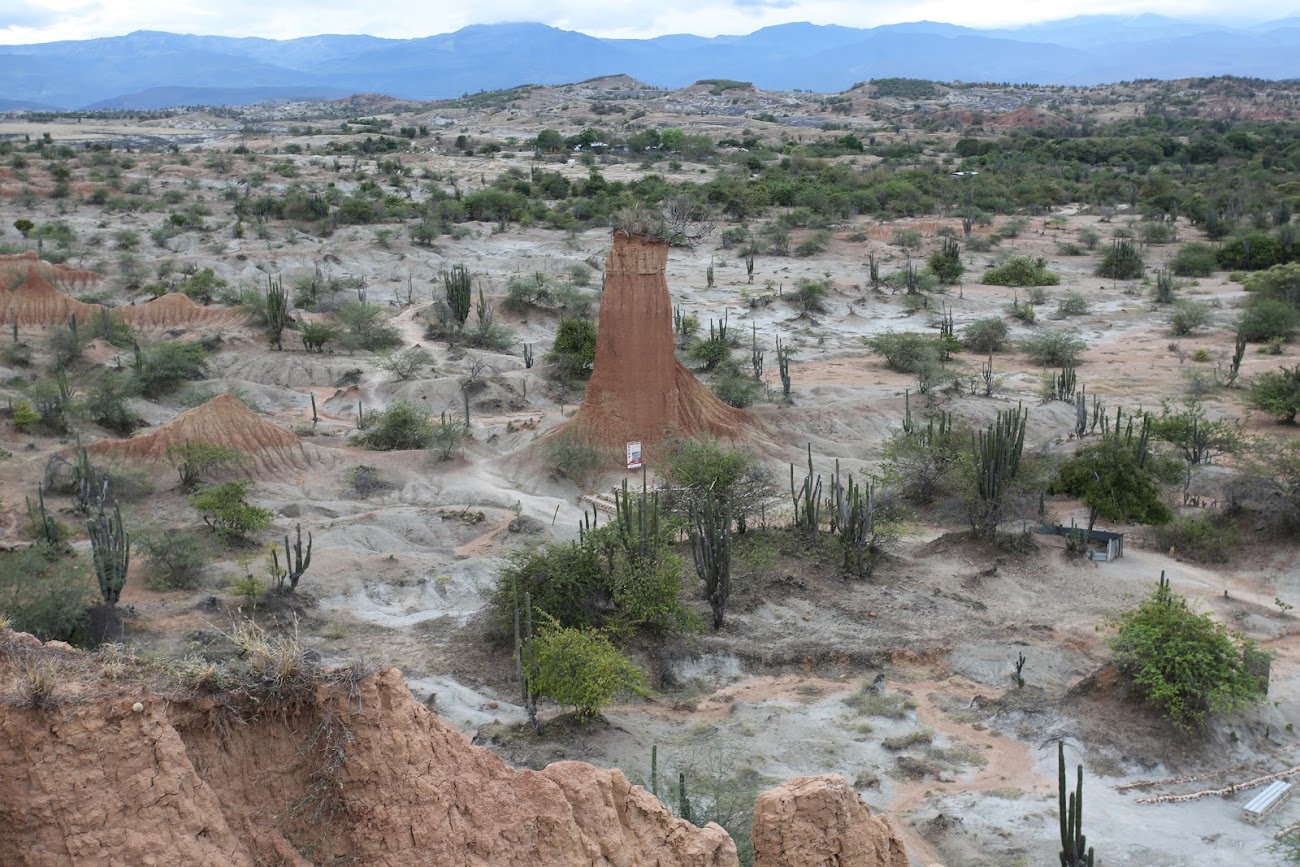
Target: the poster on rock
(634, 456)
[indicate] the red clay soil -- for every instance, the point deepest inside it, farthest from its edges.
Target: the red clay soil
(175, 309)
(35, 301)
(68, 279)
(639, 390)
(224, 421)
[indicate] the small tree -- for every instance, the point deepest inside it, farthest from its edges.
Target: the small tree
(986, 335)
(1122, 261)
(1115, 477)
(226, 510)
(405, 364)
(581, 668)
(574, 350)
(1187, 665)
(401, 426)
(194, 461)
(1277, 392)
(946, 263)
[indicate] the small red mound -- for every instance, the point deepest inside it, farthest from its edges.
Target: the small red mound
(35, 301)
(67, 279)
(222, 421)
(639, 390)
(175, 309)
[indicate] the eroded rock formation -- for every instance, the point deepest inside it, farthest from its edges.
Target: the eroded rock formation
(97, 782)
(222, 421)
(639, 390)
(821, 822)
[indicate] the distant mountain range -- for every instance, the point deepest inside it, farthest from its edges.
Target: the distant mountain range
(148, 69)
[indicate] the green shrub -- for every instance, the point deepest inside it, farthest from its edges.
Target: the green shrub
(1199, 538)
(985, 335)
(573, 456)
(44, 593)
(574, 351)
(1021, 271)
(1054, 348)
(194, 461)
(1121, 262)
(564, 579)
(227, 511)
(1188, 316)
(702, 467)
(581, 668)
(1194, 260)
(366, 326)
(1268, 318)
(173, 559)
(905, 351)
(165, 366)
(1071, 304)
(1277, 392)
(105, 403)
(711, 353)
(316, 335)
(402, 426)
(405, 364)
(1186, 665)
(809, 296)
(1281, 282)
(736, 389)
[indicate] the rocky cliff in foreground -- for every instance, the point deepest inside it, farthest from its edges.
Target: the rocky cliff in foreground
(346, 766)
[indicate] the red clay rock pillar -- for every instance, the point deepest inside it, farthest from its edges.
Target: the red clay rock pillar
(639, 390)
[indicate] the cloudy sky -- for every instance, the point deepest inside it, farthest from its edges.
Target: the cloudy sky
(26, 21)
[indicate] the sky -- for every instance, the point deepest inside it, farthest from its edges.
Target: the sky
(29, 21)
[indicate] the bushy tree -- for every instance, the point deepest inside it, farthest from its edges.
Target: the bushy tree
(165, 366)
(225, 508)
(1194, 260)
(1021, 271)
(402, 426)
(707, 468)
(574, 350)
(1187, 665)
(986, 335)
(1115, 477)
(1054, 348)
(1277, 392)
(44, 592)
(580, 668)
(1121, 262)
(1267, 319)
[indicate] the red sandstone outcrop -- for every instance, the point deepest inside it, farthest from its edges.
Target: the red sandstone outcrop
(95, 782)
(344, 768)
(222, 421)
(821, 822)
(639, 390)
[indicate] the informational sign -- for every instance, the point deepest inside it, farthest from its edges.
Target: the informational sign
(634, 456)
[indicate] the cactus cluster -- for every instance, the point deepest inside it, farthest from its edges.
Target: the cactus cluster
(997, 462)
(853, 521)
(111, 553)
(456, 284)
(296, 561)
(276, 306)
(710, 533)
(1075, 851)
(807, 499)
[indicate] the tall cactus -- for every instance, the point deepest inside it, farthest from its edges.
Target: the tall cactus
(755, 354)
(997, 462)
(638, 522)
(853, 521)
(111, 553)
(296, 561)
(43, 526)
(783, 355)
(1075, 851)
(456, 283)
(710, 533)
(807, 499)
(276, 303)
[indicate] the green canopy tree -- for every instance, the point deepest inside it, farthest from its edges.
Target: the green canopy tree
(1116, 478)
